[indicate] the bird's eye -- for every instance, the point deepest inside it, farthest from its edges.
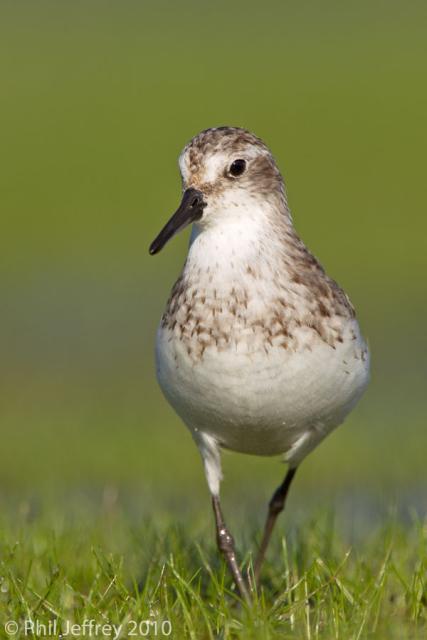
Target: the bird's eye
(237, 168)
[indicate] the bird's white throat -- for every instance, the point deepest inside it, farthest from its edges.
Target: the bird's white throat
(241, 238)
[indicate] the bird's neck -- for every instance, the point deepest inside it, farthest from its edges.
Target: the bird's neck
(232, 251)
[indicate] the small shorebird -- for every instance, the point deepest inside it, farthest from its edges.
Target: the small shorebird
(258, 350)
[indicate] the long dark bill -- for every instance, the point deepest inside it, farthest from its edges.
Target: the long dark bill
(190, 209)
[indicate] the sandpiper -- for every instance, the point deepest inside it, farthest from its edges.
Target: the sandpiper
(258, 350)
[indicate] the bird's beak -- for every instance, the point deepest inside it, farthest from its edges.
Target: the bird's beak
(190, 209)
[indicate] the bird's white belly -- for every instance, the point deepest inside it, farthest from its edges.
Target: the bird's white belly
(264, 402)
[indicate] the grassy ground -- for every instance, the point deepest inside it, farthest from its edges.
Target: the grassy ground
(106, 516)
(104, 564)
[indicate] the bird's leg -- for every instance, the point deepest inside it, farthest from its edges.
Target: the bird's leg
(275, 506)
(210, 452)
(226, 546)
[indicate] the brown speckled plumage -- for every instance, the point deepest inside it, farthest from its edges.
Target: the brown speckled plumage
(306, 299)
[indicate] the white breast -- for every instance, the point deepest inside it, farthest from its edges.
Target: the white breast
(264, 403)
(242, 355)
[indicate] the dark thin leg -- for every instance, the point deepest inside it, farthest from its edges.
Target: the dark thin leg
(275, 506)
(226, 546)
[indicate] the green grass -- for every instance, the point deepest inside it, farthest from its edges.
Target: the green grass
(102, 563)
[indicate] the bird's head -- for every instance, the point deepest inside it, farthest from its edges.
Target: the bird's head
(226, 172)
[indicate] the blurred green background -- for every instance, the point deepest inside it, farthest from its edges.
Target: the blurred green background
(97, 100)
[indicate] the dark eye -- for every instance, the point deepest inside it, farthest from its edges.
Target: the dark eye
(237, 167)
